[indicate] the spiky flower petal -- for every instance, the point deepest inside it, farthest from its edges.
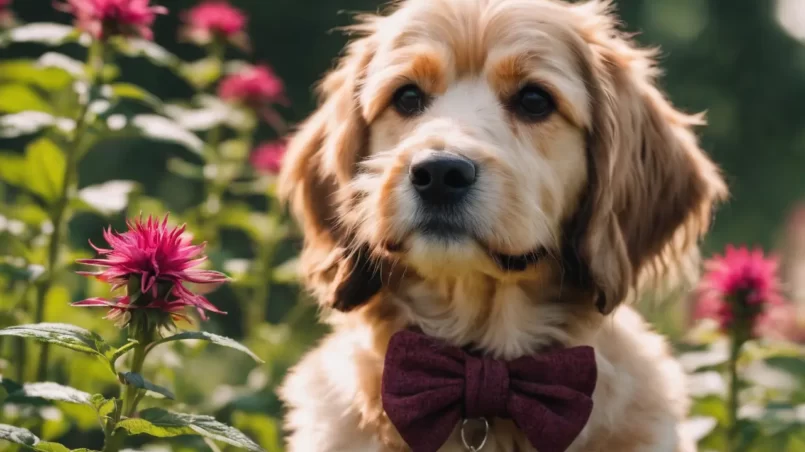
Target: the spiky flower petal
(154, 262)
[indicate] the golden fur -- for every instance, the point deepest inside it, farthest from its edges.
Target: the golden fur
(613, 186)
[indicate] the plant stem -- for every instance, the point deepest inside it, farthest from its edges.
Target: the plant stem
(734, 387)
(131, 395)
(59, 214)
(258, 307)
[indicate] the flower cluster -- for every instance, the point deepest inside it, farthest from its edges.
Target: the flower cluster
(215, 19)
(153, 262)
(739, 287)
(254, 87)
(267, 158)
(106, 18)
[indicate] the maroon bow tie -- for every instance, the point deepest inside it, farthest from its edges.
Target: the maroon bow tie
(429, 387)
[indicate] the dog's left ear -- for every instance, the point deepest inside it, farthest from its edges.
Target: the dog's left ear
(652, 188)
(320, 162)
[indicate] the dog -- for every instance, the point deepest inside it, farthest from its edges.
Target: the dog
(501, 175)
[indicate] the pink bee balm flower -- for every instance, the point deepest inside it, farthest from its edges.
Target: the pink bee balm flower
(255, 86)
(216, 19)
(267, 158)
(105, 18)
(154, 262)
(739, 287)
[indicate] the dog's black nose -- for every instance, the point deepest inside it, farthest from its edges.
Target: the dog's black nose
(442, 178)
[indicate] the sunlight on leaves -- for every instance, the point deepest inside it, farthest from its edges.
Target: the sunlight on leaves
(16, 98)
(209, 337)
(53, 392)
(163, 424)
(108, 198)
(163, 129)
(51, 34)
(63, 335)
(35, 73)
(61, 61)
(29, 122)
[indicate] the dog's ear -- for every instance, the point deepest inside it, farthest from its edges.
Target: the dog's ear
(652, 188)
(317, 169)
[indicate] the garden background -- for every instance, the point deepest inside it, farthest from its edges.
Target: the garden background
(742, 61)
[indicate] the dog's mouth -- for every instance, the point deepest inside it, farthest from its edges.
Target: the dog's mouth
(451, 232)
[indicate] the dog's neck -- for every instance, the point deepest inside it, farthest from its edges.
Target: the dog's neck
(504, 318)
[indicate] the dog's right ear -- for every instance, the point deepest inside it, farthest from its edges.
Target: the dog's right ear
(317, 169)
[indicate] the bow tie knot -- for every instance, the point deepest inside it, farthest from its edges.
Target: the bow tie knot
(486, 388)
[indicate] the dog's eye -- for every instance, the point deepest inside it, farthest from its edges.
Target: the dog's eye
(410, 100)
(534, 103)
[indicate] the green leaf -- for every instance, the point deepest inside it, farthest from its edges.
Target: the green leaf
(40, 33)
(161, 128)
(45, 164)
(54, 392)
(63, 63)
(137, 380)
(164, 424)
(102, 405)
(202, 73)
(44, 446)
(16, 98)
(209, 337)
(17, 435)
(62, 334)
(107, 198)
(42, 73)
(134, 92)
(150, 50)
(30, 122)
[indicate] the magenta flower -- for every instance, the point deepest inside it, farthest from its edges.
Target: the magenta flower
(267, 158)
(254, 87)
(740, 286)
(105, 18)
(153, 262)
(216, 19)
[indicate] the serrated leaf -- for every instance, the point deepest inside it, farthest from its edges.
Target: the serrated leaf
(16, 98)
(63, 335)
(30, 122)
(45, 164)
(209, 337)
(134, 92)
(53, 392)
(164, 424)
(137, 380)
(163, 129)
(17, 435)
(41, 33)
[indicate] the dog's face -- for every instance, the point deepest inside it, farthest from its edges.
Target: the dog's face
(478, 137)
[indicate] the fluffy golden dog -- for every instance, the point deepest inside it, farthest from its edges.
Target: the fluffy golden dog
(502, 174)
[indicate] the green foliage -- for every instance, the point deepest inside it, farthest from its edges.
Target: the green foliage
(94, 134)
(212, 338)
(164, 424)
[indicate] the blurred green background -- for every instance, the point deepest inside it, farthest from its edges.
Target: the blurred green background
(741, 61)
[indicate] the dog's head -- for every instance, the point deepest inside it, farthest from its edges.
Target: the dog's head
(478, 137)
